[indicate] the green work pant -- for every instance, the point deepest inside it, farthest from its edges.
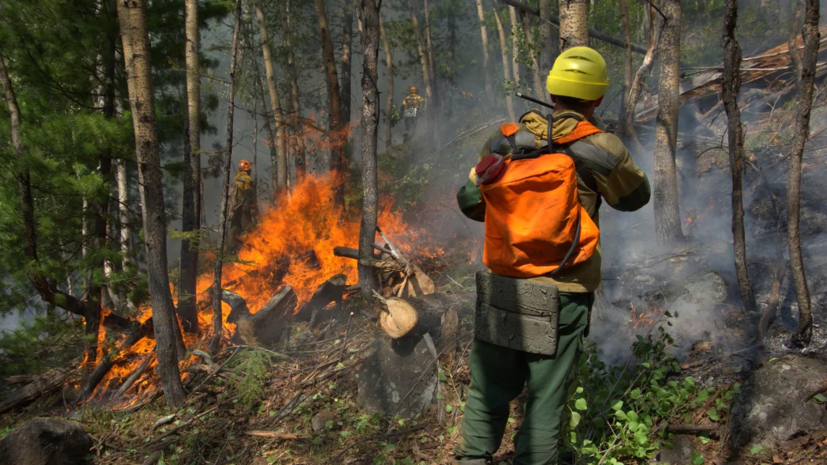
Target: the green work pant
(498, 375)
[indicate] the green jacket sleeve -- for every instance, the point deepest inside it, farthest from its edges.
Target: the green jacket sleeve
(471, 202)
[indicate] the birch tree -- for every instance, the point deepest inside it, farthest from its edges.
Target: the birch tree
(574, 29)
(506, 68)
(191, 214)
(489, 89)
(422, 52)
(389, 72)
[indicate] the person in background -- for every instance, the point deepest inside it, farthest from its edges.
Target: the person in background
(538, 188)
(243, 205)
(412, 106)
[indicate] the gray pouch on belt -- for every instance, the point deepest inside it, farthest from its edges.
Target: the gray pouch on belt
(517, 313)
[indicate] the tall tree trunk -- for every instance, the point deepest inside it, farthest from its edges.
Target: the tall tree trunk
(132, 17)
(275, 104)
(435, 103)
(346, 57)
(667, 205)
(574, 29)
(295, 106)
(489, 88)
(370, 128)
(539, 87)
(225, 187)
(627, 69)
(191, 213)
(545, 47)
(803, 332)
(430, 104)
(506, 70)
(451, 52)
(515, 44)
(429, 41)
(389, 72)
(333, 94)
(637, 83)
(795, 55)
(730, 88)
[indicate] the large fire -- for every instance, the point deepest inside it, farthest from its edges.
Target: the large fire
(291, 245)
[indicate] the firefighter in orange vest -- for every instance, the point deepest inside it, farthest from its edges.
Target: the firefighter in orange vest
(412, 106)
(243, 205)
(538, 188)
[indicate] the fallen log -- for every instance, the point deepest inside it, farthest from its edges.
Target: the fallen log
(130, 380)
(329, 291)
(265, 327)
(46, 383)
(593, 32)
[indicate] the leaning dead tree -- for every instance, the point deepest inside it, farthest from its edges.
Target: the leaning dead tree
(730, 88)
(803, 332)
(225, 204)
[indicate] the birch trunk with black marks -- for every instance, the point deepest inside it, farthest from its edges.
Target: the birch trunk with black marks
(333, 94)
(667, 204)
(125, 234)
(506, 63)
(134, 33)
(803, 332)
(275, 103)
(370, 126)
(489, 88)
(574, 29)
(223, 219)
(191, 214)
(730, 87)
(389, 72)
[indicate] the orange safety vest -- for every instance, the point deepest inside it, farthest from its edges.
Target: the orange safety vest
(532, 211)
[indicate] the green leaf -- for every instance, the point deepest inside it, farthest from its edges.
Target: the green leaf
(697, 458)
(713, 415)
(756, 449)
(449, 408)
(580, 404)
(575, 420)
(635, 394)
(617, 405)
(819, 399)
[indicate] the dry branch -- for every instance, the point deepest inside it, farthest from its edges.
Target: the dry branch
(130, 380)
(277, 435)
(44, 384)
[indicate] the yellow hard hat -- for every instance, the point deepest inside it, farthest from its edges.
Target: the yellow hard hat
(579, 72)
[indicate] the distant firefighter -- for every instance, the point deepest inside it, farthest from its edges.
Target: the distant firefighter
(243, 205)
(411, 107)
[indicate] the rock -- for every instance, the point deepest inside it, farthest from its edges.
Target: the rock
(47, 441)
(679, 454)
(319, 421)
(771, 408)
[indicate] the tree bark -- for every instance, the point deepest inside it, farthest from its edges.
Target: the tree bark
(132, 17)
(574, 29)
(295, 105)
(637, 83)
(370, 126)
(506, 70)
(333, 93)
(489, 88)
(123, 211)
(667, 205)
(795, 56)
(430, 104)
(729, 93)
(539, 87)
(435, 103)
(275, 104)
(191, 214)
(389, 72)
(225, 192)
(546, 46)
(515, 44)
(346, 57)
(803, 332)
(627, 69)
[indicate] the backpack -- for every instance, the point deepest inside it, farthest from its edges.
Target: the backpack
(534, 223)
